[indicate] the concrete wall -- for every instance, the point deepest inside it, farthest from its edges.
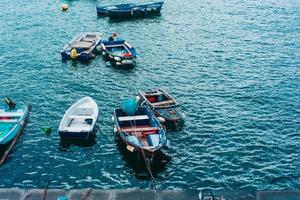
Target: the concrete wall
(90, 194)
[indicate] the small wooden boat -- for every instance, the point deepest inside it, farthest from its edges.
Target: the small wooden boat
(119, 53)
(141, 131)
(103, 10)
(12, 121)
(83, 47)
(164, 106)
(136, 11)
(80, 119)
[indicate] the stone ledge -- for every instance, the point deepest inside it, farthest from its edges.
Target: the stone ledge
(11, 194)
(178, 194)
(131, 194)
(89, 194)
(37, 194)
(134, 194)
(278, 195)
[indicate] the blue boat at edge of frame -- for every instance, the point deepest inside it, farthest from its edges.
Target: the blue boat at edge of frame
(125, 11)
(103, 10)
(119, 53)
(141, 131)
(82, 47)
(12, 122)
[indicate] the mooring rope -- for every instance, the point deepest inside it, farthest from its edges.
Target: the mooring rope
(146, 160)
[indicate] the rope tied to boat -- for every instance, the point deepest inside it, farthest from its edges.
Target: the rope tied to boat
(146, 160)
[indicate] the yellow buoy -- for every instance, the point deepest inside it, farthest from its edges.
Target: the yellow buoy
(64, 7)
(73, 54)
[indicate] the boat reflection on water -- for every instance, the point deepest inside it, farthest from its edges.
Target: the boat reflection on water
(87, 142)
(136, 161)
(3, 149)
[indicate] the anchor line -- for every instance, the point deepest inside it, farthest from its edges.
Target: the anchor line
(154, 182)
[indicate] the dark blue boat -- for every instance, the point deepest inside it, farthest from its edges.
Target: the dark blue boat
(119, 53)
(125, 11)
(103, 10)
(83, 47)
(141, 131)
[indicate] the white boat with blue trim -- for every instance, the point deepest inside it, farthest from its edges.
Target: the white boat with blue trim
(79, 120)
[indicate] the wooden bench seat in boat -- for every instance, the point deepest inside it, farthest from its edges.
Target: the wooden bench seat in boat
(17, 113)
(90, 36)
(89, 39)
(130, 118)
(154, 94)
(82, 44)
(9, 120)
(140, 129)
(80, 116)
(163, 103)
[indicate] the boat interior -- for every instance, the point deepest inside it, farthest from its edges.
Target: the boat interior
(8, 119)
(159, 98)
(81, 119)
(84, 43)
(118, 50)
(10, 116)
(139, 128)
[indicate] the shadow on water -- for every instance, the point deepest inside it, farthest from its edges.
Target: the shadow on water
(135, 161)
(3, 148)
(130, 19)
(65, 143)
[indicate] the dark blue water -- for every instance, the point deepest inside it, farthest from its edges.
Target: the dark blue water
(234, 66)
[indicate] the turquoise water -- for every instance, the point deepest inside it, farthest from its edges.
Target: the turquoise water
(234, 66)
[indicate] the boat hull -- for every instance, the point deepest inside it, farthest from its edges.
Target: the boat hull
(173, 121)
(142, 11)
(75, 135)
(102, 11)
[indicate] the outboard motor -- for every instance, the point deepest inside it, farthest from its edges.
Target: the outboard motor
(10, 103)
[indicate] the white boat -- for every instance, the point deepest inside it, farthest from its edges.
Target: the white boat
(80, 119)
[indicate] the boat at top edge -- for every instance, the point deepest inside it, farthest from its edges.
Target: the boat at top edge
(136, 11)
(103, 10)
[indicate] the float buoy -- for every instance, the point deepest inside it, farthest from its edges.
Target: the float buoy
(98, 48)
(64, 7)
(137, 98)
(73, 54)
(115, 130)
(161, 119)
